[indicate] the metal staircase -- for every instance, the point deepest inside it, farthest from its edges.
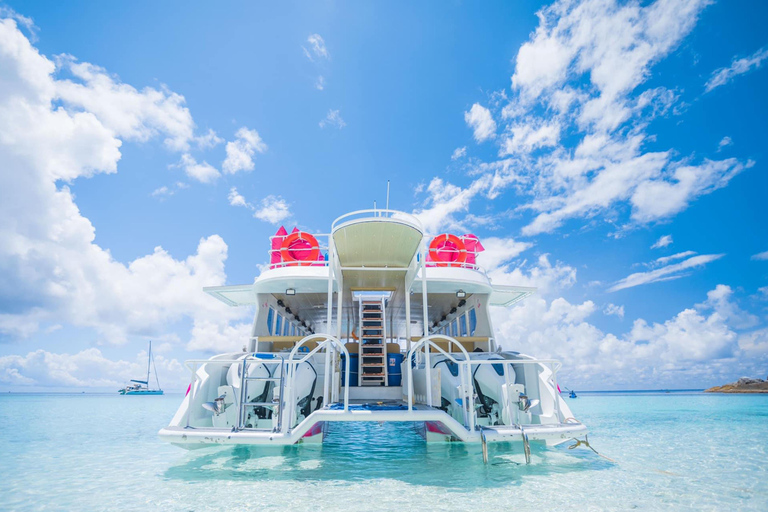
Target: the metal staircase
(373, 342)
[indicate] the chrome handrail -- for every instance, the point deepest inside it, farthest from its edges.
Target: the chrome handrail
(467, 364)
(328, 342)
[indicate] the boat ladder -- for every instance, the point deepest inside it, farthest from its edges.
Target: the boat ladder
(274, 405)
(373, 343)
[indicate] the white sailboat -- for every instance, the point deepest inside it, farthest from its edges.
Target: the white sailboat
(141, 387)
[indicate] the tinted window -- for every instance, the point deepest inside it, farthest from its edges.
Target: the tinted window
(472, 322)
(270, 318)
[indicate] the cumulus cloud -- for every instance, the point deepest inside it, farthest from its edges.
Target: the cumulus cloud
(128, 113)
(446, 199)
(481, 121)
(665, 273)
(574, 128)
(235, 199)
(706, 344)
(662, 242)
(333, 119)
(87, 369)
(614, 310)
(53, 132)
(738, 67)
(240, 152)
(202, 172)
(272, 209)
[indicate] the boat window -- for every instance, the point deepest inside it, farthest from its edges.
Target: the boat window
(463, 325)
(453, 328)
(286, 327)
(472, 321)
(279, 325)
(270, 318)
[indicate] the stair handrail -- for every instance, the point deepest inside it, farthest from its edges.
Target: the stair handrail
(329, 343)
(468, 401)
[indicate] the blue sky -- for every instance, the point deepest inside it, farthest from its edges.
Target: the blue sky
(148, 151)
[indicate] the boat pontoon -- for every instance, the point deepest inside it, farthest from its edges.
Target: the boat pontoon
(379, 324)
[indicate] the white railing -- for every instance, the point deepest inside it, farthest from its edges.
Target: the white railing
(330, 344)
(375, 213)
(288, 410)
(322, 249)
(465, 372)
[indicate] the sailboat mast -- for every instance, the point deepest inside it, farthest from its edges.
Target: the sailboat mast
(149, 359)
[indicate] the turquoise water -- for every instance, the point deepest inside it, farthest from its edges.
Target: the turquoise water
(99, 452)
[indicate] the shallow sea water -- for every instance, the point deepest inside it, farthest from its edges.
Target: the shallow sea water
(101, 452)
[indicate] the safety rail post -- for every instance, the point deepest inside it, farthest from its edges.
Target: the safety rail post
(425, 319)
(192, 390)
(556, 366)
(243, 394)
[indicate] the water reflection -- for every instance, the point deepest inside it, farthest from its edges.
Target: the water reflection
(370, 451)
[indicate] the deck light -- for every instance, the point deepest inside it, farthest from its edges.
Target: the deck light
(453, 310)
(290, 291)
(462, 302)
(288, 310)
(461, 294)
(280, 302)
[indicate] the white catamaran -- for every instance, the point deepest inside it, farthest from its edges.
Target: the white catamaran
(387, 325)
(141, 387)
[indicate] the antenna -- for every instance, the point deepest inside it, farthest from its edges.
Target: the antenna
(387, 194)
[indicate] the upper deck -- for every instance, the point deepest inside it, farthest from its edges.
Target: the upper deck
(316, 283)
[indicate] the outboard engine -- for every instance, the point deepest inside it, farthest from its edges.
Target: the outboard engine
(487, 380)
(268, 391)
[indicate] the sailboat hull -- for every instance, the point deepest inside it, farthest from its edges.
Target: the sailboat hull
(142, 392)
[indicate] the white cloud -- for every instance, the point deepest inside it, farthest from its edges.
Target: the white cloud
(129, 113)
(209, 140)
(459, 153)
(317, 48)
(320, 83)
(725, 141)
(662, 242)
(613, 309)
(581, 73)
(202, 172)
(53, 271)
(235, 199)
(499, 251)
(656, 199)
(480, 120)
(87, 369)
(446, 199)
(665, 273)
(333, 119)
(761, 256)
(666, 259)
(525, 138)
(162, 192)
(272, 209)
(738, 67)
(240, 152)
(696, 347)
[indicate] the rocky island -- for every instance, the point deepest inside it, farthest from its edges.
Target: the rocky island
(743, 385)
